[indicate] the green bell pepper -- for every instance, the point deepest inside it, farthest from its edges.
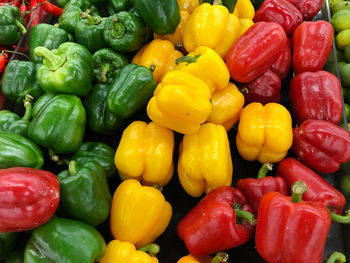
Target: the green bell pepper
(64, 240)
(7, 243)
(58, 123)
(98, 152)
(12, 25)
(68, 69)
(98, 117)
(19, 80)
(162, 16)
(124, 32)
(18, 151)
(131, 90)
(116, 6)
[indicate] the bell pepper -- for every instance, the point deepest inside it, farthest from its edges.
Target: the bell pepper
(139, 214)
(58, 123)
(8, 242)
(321, 145)
(291, 230)
(141, 147)
(244, 25)
(18, 151)
(29, 198)
(65, 240)
(116, 6)
(124, 32)
(192, 259)
(309, 8)
(312, 43)
(19, 79)
(130, 90)
(12, 25)
(264, 132)
(282, 65)
(68, 69)
(180, 102)
(265, 88)
(207, 65)
(281, 12)
(220, 221)
(107, 63)
(245, 9)
(45, 35)
(188, 5)
(118, 251)
(227, 104)
(98, 116)
(254, 189)
(162, 16)
(211, 26)
(246, 61)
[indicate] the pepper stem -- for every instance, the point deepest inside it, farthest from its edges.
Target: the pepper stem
(72, 167)
(178, 45)
(152, 249)
(220, 257)
(158, 187)
(245, 215)
(217, 2)
(105, 69)
(21, 27)
(298, 188)
(54, 61)
(28, 112)
(187, 59)
(343, 219)
(89, 19)
(265, 168)
(54, 157)
(336, 257)
(152, 68)
(118, 29)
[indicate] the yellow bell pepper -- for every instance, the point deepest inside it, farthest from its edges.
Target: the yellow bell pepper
(245, 9)
(160, 53)
(226, 106)
(207, 65)
(125, 252)
(245, 25)
(188, 5)
(264, 132)
(180, 102)
(145, 152)
(205, 160)
(139, 214)
(212, 26)
(192, 259)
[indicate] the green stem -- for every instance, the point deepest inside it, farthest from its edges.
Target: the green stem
(72, 167)
(187, 59)
(54, 61)
(106, 68)
(89, 19)
(245, 215)
(54, 157)
(343, 219)
(217, 2)
(178, 45)
(152, 68)
(220, 257)
(21, 27)
(158, 187)
(264, 170)
(28, 112)
(336, 257)
(298, 188)
(152, 249)
(118, 29)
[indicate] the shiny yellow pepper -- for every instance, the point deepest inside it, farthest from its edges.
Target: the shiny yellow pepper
(205, 160)
(145, 152)
(244, 9)
(125, 252)
(264, 132)
(192, 259)
(180, 102)
(212, 26)
(207, 65)
(139, 214)
(188, 5)
(245, 25)
(160, 53)
(226, 106)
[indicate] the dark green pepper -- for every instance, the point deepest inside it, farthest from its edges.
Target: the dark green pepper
(12, 25)
(19, 80)
(131, 90)
(7, 243)
(125, 32)
(58, 123)
(99, 118)
(18, 151)
(68, 69)
(116, 6)
(65, 240)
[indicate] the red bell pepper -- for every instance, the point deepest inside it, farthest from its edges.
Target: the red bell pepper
(255, 51)
(291, 230)
(254, 189)
(265, 88)
(309, 8)
(321, 145)
(312, 43)
(221, 220)
(28, 198)
(281, 12)
(281, 66)
(317, 96)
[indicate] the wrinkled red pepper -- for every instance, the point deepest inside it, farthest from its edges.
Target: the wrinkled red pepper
(317, 96)
(309, 8)
(218, 222)
(28, 198)
(312, 43)
(321, 145)
(281, 66)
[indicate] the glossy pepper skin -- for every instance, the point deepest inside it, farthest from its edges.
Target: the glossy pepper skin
(60, 240)
(312, 43)
(211, 26)
(213, 224)
(264, 132)
(68, 69)
(309, 8)
(12, 25)
(244, 9)
(246, 61)
(130, 90)
(145, 153)
(180, 102)
(116, 6)
(205, 160)
(321, 145)
(188, 5)
(192, 259)
(139, 214)
(317, 96)
(281, 66)
(29, 198)
(58, 123)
